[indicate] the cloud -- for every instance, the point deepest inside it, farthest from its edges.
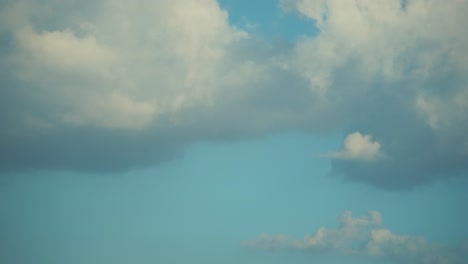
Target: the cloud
(395, 71)
(137, 82)
(357, 147)
(324, 239)
(110, 85)
(64, 51)
(99, 69)
(363, 236)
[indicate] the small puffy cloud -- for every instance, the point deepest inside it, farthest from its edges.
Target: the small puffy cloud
(363, 236)
(323, 239)
(357, 147)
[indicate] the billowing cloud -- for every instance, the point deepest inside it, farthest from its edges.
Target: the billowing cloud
(396, 71)
(357, 147)
(110, 85)
(363, 236)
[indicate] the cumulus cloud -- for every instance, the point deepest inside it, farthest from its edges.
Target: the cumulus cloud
(99, 69)
(397, 71)
(363, 236)
(146, 78)
(139, 81)
(357, 147)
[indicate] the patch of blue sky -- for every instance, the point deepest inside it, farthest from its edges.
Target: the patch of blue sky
(266, 19)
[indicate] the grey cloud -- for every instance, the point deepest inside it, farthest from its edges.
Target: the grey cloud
(363, 236)
(102, 85)
(377, 69)
(124, 110)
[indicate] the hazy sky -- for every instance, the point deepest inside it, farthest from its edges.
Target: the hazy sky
(204, 131)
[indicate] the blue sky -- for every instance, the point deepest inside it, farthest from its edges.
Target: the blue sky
(266, 19)
(200, 207)
(298, 131)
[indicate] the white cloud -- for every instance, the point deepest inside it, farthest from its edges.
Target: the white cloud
(126, 61)
(323, 239)
(363, 236)
(357, 147)
(64, 51)
(380, 38)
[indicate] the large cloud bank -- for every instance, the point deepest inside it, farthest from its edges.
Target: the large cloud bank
(110, 85)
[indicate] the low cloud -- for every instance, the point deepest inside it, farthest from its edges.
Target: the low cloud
(364, 236)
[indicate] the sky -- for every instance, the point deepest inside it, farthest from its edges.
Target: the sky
(204, 131)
